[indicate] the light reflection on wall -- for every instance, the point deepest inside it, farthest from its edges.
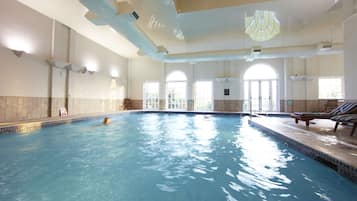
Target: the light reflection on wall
(113, 93)
(122, 92)
(113, 84)
(29, 128)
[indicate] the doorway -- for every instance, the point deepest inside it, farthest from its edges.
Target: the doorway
(260, 89)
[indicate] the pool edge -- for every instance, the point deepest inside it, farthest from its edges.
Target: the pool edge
(345, 169)
(19, 127)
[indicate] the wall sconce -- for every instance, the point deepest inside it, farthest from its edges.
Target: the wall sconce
(18, 45)
(91, 67)
(85, 70)
(18, 53)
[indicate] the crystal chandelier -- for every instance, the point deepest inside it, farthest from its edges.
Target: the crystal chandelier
(262, 26)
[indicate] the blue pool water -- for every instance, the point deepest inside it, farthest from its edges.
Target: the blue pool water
(161, 157)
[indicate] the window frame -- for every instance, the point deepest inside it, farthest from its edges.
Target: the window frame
(170, 79)
(157, 104)
(331, 77)
(185, 106)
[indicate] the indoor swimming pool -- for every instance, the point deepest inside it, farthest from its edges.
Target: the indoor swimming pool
(161, 157)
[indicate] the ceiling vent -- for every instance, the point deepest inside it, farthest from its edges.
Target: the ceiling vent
(162, 50)
(323, 46)
(124, 7)
(135, 15)
(256, 51)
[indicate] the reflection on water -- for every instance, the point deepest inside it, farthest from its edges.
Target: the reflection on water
(261, 162)
(262, 158)
(238, 159)
(179, 146)
(161, 157)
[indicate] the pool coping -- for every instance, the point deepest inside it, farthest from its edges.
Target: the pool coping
(341, 162)
(24, 126)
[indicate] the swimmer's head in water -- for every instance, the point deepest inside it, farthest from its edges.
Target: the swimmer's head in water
(106, 121)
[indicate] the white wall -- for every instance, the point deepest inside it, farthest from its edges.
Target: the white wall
(25, 76)
(84, 52)
(29, 75)
(350, 27)
(19, 23)
(315, 67)
(144, 69)
(31, 80)
(322, 66)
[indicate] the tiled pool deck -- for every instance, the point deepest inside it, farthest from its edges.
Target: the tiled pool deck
(320, 144)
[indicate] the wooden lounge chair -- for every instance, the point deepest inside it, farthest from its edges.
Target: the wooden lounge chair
(347, 118)
(345, 108)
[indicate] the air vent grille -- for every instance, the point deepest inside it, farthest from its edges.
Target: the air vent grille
(135, 14)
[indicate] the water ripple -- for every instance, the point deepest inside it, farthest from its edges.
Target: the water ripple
(161, 157)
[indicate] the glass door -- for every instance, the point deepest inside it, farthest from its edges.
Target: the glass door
(260, 95)
(176, 96)
(255, 95)
(265, 98)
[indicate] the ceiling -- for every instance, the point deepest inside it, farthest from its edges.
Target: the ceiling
(71, 13)
(208, 28)
(186, 6)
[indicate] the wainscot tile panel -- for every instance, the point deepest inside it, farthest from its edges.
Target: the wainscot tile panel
(13, 108)
(136, 104)
(304, 105)
(228, 105)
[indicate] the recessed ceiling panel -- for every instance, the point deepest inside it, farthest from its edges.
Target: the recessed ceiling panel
(185, 6)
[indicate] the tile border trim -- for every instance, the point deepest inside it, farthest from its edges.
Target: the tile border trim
(21, 127)
(344, 169)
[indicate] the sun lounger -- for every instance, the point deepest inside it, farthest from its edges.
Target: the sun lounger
(345, 108)
(347, 118)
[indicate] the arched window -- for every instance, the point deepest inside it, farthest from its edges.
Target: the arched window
(260, 72)
(260, 89)
(176, 76)
(176, 95)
